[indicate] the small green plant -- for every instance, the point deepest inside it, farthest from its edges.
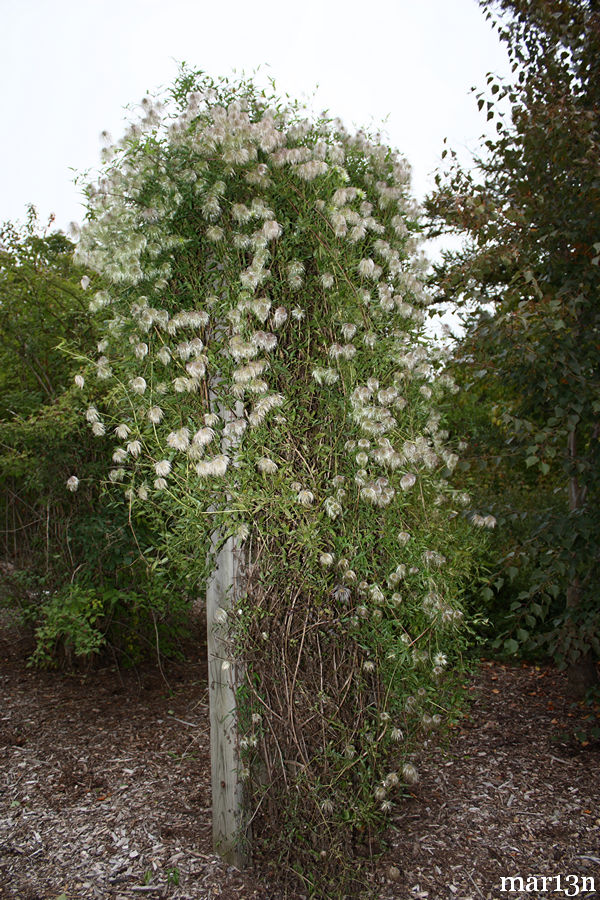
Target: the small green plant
(173, 876)
(69, 627)
(80, 621)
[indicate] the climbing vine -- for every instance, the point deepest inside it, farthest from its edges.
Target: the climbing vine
(269, 380)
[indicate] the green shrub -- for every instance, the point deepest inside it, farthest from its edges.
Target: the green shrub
(68, 626)
(68, 540)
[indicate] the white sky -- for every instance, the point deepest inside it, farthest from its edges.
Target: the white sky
(69, 67)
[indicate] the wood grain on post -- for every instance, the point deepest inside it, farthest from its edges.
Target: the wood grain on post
(223, 589)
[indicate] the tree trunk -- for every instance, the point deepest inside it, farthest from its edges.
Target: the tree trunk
(582, 675)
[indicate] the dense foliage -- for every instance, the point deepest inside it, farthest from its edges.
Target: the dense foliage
(266, 378)
(71, 561)
(528, 277)
(42, 306)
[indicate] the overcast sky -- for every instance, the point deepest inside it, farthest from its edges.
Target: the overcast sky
(68, 69)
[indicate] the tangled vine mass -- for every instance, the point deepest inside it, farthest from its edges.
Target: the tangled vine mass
(265, 374)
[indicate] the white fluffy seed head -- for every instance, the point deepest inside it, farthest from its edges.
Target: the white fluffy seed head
(180, 439)
(266, 466)
(122, 431)
(409, 774)
(134, 448)
(407, 481)
(162, 468)
(155, 414)
(203, 437)
(138, 385)
(217, 466)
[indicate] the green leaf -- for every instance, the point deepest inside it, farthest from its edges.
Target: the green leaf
(511, 646)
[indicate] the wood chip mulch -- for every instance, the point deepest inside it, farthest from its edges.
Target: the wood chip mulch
(513, 793)
(105, 790)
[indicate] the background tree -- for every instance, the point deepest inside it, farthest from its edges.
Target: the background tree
(42, 305)
(528, 274)
(79, 563)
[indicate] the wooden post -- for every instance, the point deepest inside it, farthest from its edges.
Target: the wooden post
(223, 589)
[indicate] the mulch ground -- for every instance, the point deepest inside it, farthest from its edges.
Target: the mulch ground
(105, 790)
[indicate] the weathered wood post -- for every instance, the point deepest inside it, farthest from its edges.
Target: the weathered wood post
(224, 587)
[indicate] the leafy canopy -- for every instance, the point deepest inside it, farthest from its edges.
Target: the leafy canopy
(528, 274)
